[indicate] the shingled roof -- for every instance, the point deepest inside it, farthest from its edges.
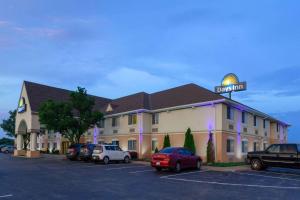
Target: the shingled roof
(182, 95)
(38, 93)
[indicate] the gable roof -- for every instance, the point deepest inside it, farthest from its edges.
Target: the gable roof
(38, 93)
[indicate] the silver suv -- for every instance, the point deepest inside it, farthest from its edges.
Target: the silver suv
(106, 153)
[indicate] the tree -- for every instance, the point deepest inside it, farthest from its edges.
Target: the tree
(210, 153)
(156, 150)
(189, 141)
(167, 141)
(73, 118)
(8, 125)
(6, 141)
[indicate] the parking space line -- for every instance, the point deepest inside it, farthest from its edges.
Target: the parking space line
(231, 184)
(266, 176)
(118, 168)
(298, 175)
(135, 172)
(5, 196)
(184, 173)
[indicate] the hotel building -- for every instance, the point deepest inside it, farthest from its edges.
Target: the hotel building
(139, 122)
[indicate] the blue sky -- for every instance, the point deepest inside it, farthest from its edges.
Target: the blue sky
(114, 48)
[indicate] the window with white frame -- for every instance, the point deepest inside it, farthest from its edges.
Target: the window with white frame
(132, 145)
(244, 146)
(101, 124)
(254, 146)
(230, 113)
(153, 145)
(265, 145)
(114, 121)
(230, 145)
(254, 120)
(132, 119)
(244, 118)
(155, 118)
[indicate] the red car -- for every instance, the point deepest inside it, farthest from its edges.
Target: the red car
(175, 158)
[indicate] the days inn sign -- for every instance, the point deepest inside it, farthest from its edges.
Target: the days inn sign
(230, 83)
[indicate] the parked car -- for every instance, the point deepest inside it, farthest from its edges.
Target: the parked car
(107, 153)
(73, 151)
(8, 149)
(276, 155)
(2, 146)
(175, 158)
(86, 152)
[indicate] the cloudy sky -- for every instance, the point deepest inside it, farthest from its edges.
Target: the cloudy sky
(114, 48)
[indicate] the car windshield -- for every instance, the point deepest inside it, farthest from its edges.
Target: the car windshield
(167, 150)
(98, 148)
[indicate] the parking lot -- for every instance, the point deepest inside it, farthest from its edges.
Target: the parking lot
(56, 178)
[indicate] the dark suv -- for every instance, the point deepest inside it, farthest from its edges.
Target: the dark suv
(74, 151)
(276, 155)
(86, 152)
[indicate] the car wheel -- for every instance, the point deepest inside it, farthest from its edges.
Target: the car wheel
(126, 159)
(158, 169)
(106, 160)
(256, 164)
(198, 165)
(178, 167)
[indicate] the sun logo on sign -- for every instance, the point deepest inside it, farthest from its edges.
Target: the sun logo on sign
(230, 79)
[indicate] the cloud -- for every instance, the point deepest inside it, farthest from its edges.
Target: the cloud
(4, 23)
(41, 32)
(124, 81)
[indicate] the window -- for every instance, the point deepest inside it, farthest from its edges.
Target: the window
(229, 112)
(274, 148)
(265, 146)
(155, 118)
(245, 146)
(154, 145)
(54, 145)
(264, 123)
(43, 145)
(115, 142)
(131, 145)
(114, 121)
(254, 120)
(89, 133)
(277, 127)
(132, 119)
(109, 148)
(38, 145)
(244, 120)
(288, 148)
(230, 145)
(101, 124)
(254, 146)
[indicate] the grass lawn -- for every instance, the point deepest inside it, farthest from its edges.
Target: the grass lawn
(230, 164)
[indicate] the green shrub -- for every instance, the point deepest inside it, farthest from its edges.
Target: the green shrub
(167, 141)
(156, 150)
(210, 153)
(189, 141)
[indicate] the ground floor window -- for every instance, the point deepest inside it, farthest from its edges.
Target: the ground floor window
(115, 142)
(230, 146)
(154, 145)
(132, 145)
(55, 145)
(265, 146)
(254, 146)
(244, 146)
(101, 142)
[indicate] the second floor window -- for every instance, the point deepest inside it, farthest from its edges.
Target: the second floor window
(155, 118)
(132, 118)
(114, 121)
(229, 112)
(277, 127)
(264, 123)
(101, 124)
(254, 120)
(244, 118)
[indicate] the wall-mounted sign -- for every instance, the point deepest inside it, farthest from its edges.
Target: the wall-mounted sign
(230, 83)
(22, 105)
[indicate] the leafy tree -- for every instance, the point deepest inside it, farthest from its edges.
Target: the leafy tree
(210, 154)
(6, 141)
(189, 141)
(73, 118)
(167, 141)
(8, 125)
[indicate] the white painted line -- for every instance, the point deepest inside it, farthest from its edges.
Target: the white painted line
(149, 170)
(5, 196)
(184, 173)
(117, 168)
(232, 184)
(282, 173)
(266, 176)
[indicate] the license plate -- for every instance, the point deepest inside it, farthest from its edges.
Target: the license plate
(158, 163)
